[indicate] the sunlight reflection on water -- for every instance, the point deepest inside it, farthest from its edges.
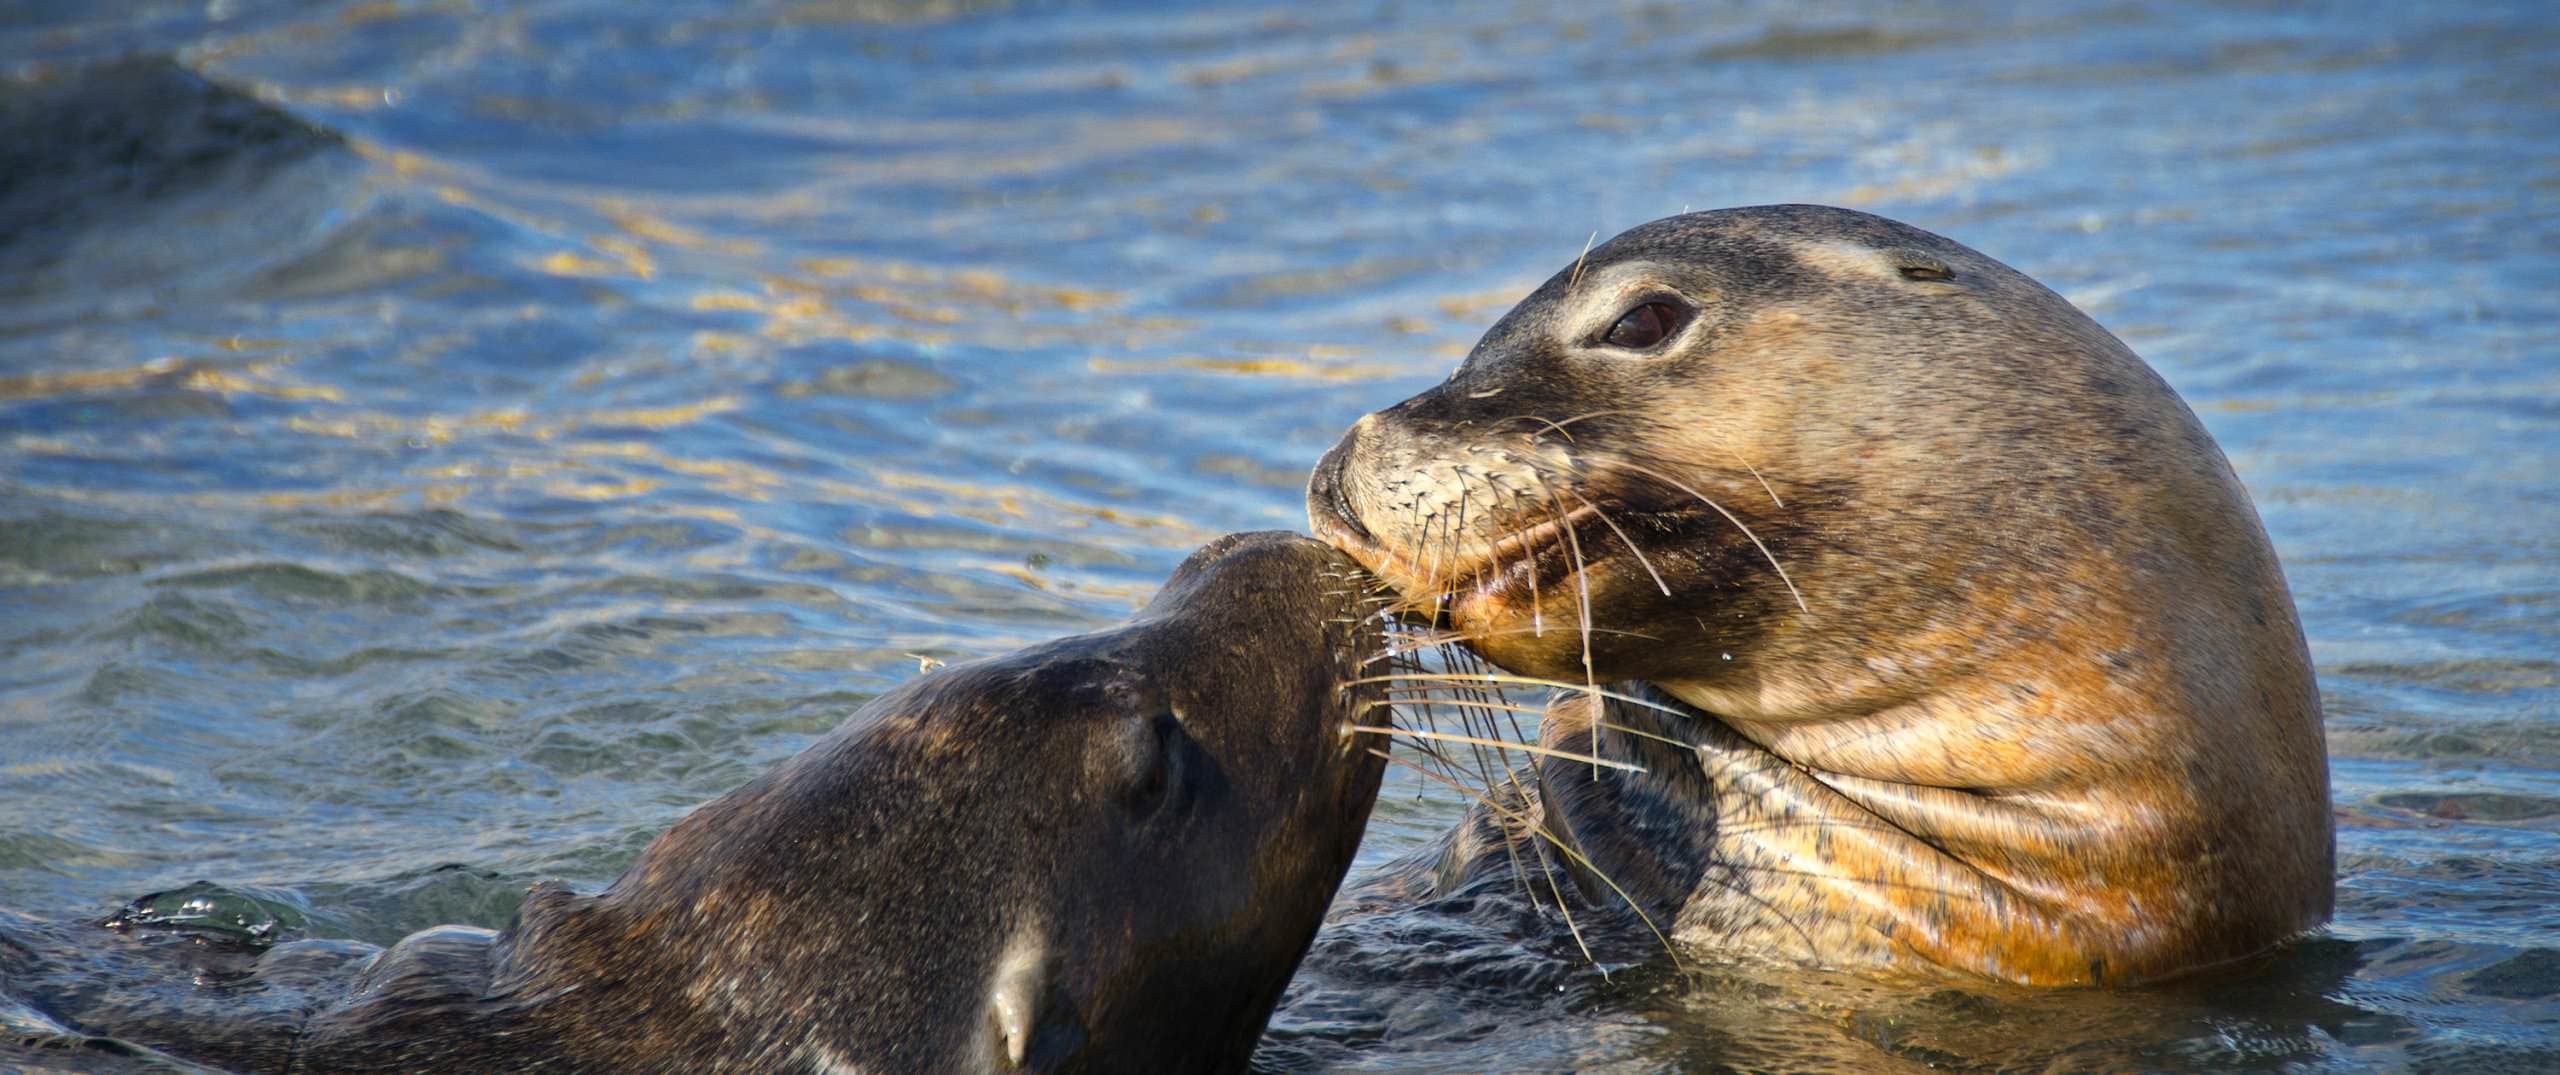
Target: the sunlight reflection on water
(527, 421)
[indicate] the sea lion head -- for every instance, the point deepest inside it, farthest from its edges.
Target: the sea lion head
(1909, 522)
(1748, 445)
(1106, 852)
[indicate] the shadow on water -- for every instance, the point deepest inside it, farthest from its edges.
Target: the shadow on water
(440, 444)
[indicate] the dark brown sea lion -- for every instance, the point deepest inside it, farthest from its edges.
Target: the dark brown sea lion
(1946, 635)
(1106, 853)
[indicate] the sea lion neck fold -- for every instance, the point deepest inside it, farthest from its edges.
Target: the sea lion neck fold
(1976, 605)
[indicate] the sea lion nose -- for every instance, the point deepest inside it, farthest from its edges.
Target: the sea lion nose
(1364, 438)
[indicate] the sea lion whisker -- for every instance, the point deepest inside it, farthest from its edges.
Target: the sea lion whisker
(1637, 452)
(1434, 753)
(1475, 712)
(1533, 681)
(1500, 744)
(1431, 570)
(1493, 548)
(1537, 604)
(1629, 729)
(1547, 868)
(1513, 707)
(1495, 710)
(1738, 525)
(1479, 706)
(1528, 826)
(1572, 545)
(1557, 427)
(1449, 695)
(1420, 523)
(1461, 637)
(1755, 476)
(1493, 701)
(1430, 714)
(1490, 707)
(1452, 535)
(1578, 259)
(1566, 912)
(1512, 834)
(1630, 542)
(1581, 582)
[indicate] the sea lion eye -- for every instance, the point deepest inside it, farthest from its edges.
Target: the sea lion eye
(1140, 756)
(1646, 326)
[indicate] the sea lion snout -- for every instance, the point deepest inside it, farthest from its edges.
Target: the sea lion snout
(1329, 508)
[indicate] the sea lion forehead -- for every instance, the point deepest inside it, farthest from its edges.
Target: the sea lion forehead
(1731, 262)
(1687, 250)
(1772, 243)
(1254, 563)
(1789, 224)
(1753, 254)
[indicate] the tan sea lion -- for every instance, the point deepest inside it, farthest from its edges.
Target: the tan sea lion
(1104, 853)
(1946, 635)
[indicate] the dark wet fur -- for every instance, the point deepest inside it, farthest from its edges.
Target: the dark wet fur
(1167, 805)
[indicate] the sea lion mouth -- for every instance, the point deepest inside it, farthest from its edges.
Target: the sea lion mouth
(1343, 512)
(1520, 549)
(1331, 514)
(1539, 553)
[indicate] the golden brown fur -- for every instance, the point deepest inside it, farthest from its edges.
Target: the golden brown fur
(1983, 659)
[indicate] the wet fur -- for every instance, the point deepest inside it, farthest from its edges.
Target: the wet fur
(2029, 700)
(856, 906)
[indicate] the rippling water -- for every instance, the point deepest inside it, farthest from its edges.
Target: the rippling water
(442, 442)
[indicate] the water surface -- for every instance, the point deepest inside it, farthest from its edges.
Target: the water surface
(440, 443)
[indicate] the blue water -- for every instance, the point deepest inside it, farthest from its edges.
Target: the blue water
(442, 442)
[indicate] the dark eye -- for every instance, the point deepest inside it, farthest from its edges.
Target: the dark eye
(1645, 326)
(1138, 758)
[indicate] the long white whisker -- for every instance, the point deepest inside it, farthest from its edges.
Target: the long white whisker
(1498, 744)
(1738, 524)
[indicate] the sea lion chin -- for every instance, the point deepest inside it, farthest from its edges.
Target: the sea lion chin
(1943, 629)
(1103, 853)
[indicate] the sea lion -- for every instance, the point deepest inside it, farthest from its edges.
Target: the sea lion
(1105, 853)
(1944, 632)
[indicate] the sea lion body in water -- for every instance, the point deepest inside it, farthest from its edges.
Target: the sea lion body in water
(1107, 852)
(1945, 634)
